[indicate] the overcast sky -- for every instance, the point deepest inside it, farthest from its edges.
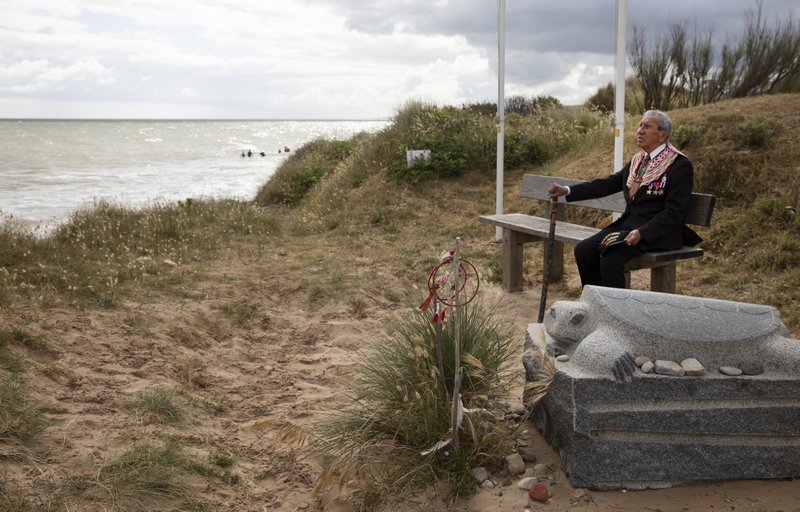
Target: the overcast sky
(315, 59)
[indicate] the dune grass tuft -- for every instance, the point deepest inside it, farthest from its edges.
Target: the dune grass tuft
(398, 410)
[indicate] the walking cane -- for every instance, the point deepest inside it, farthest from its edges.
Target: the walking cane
(548, 257)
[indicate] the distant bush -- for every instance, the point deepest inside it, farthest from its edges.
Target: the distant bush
(525, 105)
(755, 132)
(604, 99)
(686, 135)
(460, 139)
(684, 67)
(483, 109)
(457, 138)
(518, 104)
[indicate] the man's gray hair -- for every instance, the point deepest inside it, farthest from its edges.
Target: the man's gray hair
(663, 122)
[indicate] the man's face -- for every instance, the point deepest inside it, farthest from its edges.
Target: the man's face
(648, 136)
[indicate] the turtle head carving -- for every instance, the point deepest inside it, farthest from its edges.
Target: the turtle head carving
(568, 323)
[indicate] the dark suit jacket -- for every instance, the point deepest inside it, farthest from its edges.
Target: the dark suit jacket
(657, 210)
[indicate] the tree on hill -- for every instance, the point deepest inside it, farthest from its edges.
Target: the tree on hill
(683, 69)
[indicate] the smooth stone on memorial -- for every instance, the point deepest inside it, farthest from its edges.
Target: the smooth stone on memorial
(730, 370)
(647, 367)
(668, 368)
(563, 358)
(641, 360)
(693, 367)
(752, 368)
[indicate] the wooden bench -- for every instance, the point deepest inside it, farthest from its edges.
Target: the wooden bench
(519, 229)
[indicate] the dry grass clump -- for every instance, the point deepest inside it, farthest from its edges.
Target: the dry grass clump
(22, 418)
(109, 251)
(149, 476)
(398, 409)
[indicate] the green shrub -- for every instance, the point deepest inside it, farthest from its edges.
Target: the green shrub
(686, 135)
(723, 175)
(521, 150)
(461, 139)
(754, 132)
(524, 105)
(604, 99)
(304, 170)
(457, 138)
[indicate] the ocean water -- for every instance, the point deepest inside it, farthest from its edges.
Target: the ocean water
(49, 169)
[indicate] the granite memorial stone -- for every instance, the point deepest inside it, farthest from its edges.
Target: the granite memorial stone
(616, 427)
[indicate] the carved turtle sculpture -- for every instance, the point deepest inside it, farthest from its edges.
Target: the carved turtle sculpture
(605, 329)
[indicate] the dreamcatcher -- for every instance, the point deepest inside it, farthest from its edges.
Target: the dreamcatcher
(453, 282)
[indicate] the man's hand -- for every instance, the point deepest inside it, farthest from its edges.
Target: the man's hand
(555, 191)
(633, 238)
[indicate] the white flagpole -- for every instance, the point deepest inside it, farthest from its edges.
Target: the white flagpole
(619, 79)
(501, 106)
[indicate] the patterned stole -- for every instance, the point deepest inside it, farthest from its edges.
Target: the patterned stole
(648, 171)
(637, 176)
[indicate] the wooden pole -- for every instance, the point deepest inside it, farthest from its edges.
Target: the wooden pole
(548, 258)
(457, 345)
(437, 326)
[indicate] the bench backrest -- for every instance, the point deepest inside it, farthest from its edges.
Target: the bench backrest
(535, 187)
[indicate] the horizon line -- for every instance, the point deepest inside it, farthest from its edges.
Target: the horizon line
(198, 119)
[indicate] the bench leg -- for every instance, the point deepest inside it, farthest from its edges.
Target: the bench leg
(662, 279)
(512, 261)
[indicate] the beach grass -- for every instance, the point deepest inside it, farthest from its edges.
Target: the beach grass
(110, 251)
(400, 404)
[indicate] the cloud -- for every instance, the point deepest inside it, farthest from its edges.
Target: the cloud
(316, 58)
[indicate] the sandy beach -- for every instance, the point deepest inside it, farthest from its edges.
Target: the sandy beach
(288, 366)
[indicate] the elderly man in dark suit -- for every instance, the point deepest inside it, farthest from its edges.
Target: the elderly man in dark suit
(657, 185)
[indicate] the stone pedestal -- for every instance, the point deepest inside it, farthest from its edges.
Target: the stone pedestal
(618, 428)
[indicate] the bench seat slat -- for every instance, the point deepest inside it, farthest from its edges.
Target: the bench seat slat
(540, 227)
(573, 233)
